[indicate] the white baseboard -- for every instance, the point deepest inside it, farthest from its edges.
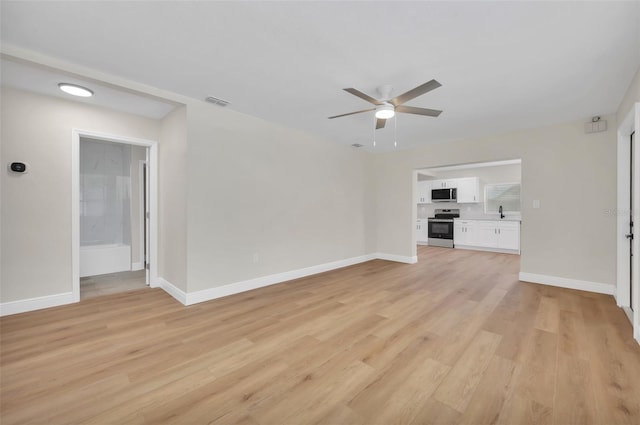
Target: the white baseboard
(248, 285)
(38, 303)
(189, 298)
(582, 285)
(636, 333)
(396, 258)
(137, 266)
(171, 289)
(482, 248)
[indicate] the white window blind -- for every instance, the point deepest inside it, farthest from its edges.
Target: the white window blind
(505, 194)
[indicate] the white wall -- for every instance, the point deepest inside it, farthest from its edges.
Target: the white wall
(172, 199)
(264, 199)
(571, 173)
(36, 207)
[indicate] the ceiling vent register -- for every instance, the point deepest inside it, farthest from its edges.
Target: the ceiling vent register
(216, 101)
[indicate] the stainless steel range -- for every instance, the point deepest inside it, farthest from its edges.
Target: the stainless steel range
(441, 227)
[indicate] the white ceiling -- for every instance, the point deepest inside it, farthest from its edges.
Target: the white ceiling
(502, 65)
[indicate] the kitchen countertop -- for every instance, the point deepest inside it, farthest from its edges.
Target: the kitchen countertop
(490, 219)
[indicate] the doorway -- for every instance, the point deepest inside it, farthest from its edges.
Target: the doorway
(114, 203)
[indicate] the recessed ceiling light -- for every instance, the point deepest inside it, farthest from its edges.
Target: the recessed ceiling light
(75, 90)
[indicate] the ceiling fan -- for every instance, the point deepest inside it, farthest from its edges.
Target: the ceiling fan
(387, 108)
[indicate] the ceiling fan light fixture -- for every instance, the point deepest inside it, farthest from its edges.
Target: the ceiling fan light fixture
(385, 111)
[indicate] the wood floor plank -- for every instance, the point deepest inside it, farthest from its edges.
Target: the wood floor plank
(460, 384)
(574, 403)
(521, 410)
(548, 315)
(341, 414)
(433, 412)
(537, 380)
(496, 386)
(409, 378)
(453, 339)
(572, 337)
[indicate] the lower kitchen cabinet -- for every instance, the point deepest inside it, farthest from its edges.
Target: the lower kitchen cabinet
(422, 232)
(487, 235)
(464, 232)
(509, 235)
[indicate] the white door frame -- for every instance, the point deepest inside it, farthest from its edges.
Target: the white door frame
(140, 218)
(630, 124)
(152, 169)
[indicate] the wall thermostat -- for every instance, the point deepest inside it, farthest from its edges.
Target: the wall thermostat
(19, 167)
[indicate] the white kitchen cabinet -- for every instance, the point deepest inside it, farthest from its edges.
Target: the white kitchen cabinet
(468, 190)
(444, 184)
(464, 232)
(424, 192)
(487, 235)
(508, 235)
(422, 231)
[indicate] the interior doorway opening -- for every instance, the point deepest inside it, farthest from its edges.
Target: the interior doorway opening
(114, 199)
(474, 206)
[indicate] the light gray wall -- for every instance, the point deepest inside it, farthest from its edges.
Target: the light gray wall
(572, 174)
(265, 199)
(172, 198)
(36, 207)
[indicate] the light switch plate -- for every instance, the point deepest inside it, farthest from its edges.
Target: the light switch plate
(536, 203)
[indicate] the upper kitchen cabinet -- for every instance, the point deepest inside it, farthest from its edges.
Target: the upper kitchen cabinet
(444, 184)
(468, 190)
(424, 192)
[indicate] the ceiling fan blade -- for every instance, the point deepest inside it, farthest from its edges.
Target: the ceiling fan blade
(380, 123)
(413, 93)
(364, 96)
(418, 111)
(352, 113)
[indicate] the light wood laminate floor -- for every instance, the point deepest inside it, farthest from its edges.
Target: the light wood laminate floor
(454, 339)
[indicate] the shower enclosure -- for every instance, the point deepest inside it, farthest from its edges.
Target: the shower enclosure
(105, 207)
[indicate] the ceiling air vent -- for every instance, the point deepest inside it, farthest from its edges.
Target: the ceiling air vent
(216, 101)
(357, 145)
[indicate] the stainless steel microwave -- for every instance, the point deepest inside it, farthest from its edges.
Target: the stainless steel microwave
(443, 195)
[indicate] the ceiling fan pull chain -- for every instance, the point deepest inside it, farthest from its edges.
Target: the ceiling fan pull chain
(395, 131)
(374, 130)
